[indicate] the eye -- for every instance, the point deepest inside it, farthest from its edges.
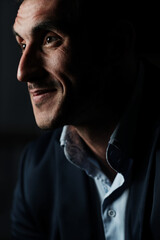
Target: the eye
(23, 46)
(52, 40)
(21, 43)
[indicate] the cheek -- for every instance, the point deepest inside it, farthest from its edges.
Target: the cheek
(57, 62)
(60, 65)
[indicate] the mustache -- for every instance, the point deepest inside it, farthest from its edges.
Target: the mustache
(43, 85)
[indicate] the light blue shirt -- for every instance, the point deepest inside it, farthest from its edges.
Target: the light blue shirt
(113, 196)
(113, 214)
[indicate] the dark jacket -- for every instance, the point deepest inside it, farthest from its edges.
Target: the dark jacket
(55, 200)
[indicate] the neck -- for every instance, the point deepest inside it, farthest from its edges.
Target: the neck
(97, 140)
(97, 135)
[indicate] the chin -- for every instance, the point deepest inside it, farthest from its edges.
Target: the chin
(50, 121)
(47, 119)
(48, 124)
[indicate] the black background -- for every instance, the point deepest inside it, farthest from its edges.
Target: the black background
(17, 125)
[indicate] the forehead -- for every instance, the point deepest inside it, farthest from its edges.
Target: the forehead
(32, 12)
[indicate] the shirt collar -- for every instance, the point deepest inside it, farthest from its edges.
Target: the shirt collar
(76, 152)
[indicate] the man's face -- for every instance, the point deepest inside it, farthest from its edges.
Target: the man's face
(53, 63)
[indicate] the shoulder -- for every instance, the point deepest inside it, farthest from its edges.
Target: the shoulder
(38, 172)
(34, 195)
(42, 153)
(47, 142)
(42, 150)
(39, 167)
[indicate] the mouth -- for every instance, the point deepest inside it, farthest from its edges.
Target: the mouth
(39, 96)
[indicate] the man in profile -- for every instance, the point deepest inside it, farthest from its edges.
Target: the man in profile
(94, 174)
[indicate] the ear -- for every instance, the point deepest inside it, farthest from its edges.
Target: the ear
(120, 41)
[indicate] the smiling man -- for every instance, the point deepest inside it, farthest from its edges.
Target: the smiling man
(47, 62)
(55, 47)
(93, 175)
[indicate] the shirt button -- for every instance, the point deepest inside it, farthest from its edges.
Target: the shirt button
(111, 213)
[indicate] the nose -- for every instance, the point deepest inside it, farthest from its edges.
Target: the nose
(30, 66)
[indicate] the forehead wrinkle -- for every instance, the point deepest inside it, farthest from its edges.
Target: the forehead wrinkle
(31, 10)
(32, 16)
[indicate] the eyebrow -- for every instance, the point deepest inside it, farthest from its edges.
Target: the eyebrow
(44, 25)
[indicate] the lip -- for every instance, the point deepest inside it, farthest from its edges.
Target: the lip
(40, 95)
